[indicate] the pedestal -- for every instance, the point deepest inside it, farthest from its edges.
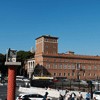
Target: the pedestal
(11, 79)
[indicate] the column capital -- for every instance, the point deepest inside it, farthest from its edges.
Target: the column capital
(12, 63)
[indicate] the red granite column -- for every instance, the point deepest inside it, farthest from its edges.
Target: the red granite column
(11, 82)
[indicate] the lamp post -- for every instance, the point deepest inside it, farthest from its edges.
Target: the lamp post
(11, 63)
(78, 77)
(70, 84)
(97, 83)
(90, 83)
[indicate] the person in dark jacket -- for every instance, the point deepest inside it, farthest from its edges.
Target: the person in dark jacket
(61, 97)
(73, 95)
(45, 96)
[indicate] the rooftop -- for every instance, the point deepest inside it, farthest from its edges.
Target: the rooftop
(47, 36)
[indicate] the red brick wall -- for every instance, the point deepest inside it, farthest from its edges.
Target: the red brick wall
(65, 65)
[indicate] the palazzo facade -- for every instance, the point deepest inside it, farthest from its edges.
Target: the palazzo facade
(65, 65)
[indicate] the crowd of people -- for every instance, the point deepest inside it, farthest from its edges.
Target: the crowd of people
(73, 96)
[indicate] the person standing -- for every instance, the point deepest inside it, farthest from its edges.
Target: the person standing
(61, 97)
(73, 96)
(88, 96)
(67, 97)
(45, 96)
(80, 97)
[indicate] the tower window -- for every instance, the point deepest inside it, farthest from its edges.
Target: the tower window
(54, 74)
(68, 74)
(64, 74)
(78, 66)
(59, 74)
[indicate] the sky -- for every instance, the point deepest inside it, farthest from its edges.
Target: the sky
(75, 22)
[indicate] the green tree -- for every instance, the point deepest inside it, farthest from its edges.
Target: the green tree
(21, 57)
(3, 68)
(2, 58)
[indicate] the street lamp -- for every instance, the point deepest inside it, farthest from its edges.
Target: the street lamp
(78, 78)
(70, 84)
(91, 85)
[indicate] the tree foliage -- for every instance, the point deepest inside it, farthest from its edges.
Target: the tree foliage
(3, 68)
(2, 58)
(23, 55)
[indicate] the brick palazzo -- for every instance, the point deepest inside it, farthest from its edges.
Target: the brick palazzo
(67, 65)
